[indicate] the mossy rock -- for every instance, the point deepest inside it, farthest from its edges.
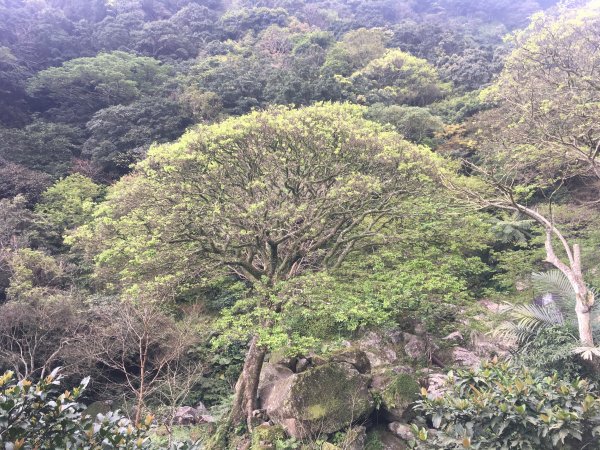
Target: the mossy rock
(281, 357)
(397, 396)
(380, 438)
(265, 437)
(321, 400)
(355, 357)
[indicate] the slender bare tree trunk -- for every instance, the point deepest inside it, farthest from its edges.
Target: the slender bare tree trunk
(246, 388)
(572, 270)
(583, 296)
(570, 267)
(584, 321)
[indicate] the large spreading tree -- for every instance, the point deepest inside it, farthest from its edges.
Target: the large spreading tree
(265, 198)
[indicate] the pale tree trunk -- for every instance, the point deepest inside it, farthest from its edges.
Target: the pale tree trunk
(246, 388)
(584, 321)
(572, 270)
(583, 296)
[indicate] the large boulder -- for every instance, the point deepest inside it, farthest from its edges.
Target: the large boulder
(487, 346)
(320, 400)
(465, 358)
(270, 375)
(436, 384)
(354, 357)
(397, 393)
(402, 430)
(381, 349)
(415, 347)
(186, 415)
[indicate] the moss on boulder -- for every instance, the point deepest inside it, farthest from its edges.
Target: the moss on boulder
(379, 438)
(397, 394)
(265, 437)
(355, 357)
(321, 400)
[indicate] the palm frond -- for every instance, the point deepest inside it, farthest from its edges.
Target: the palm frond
(512, 333)
(526, 321)
(587, 352)
(556, 283)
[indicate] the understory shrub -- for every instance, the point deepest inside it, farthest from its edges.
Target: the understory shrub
(40, 415)
(502, 406)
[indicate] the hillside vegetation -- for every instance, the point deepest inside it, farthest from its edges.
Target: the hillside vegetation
(299, 224)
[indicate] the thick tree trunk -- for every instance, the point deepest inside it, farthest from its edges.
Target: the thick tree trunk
(246, 388)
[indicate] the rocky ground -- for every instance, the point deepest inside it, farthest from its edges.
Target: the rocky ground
(360, 392)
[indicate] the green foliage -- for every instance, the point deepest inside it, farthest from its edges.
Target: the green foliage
(374, 442)
(42, 146)
(35, 275)
(430, 280)
(545, 105)
(458, 108)
(513, 229)
(311, 225)
(41, 416)
(396, 78)
(15, 223)
(18, 180)
(67, 204)
(16, 226)
(195, 202)
(355, 50)
(501, 406)
(224, 367)
(513, 266)
(83, 86)
(416, 124)
(547, 334)
(550, 350)
(120, 135)
(403, 389)
(528, 320)
(266, 436)
(237, 22)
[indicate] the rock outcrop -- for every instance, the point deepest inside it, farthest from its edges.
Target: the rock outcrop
(386, 440)
(313, 395)
(188, 415)
(320, 400)
(397, 391)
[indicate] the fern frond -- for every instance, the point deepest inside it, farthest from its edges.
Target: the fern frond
(514, 229)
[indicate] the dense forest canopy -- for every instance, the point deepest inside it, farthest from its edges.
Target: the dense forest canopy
(278, 224)
(67, 67)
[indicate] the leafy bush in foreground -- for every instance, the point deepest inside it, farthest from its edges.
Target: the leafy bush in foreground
(500, 406)
(40, 416)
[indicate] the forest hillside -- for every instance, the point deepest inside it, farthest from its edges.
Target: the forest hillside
(299, 224)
